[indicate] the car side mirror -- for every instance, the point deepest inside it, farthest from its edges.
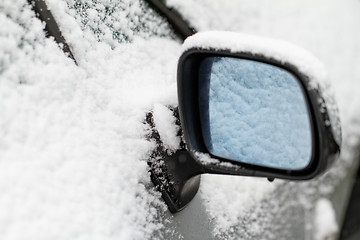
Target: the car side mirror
(252, 107)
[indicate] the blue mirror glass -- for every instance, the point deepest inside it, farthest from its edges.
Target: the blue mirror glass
(254, 112)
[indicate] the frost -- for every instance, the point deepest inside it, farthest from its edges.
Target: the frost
(116, 21)
(256, 114)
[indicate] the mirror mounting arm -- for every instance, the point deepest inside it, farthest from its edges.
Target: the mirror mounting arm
(181, 181)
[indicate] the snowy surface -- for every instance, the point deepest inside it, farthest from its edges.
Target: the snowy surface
(280, 50)
(72, 147)
(329, 29)
(325, 224)
(165, 125)
(256, 113)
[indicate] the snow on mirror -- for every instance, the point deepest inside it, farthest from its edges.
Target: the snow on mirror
(253, 112)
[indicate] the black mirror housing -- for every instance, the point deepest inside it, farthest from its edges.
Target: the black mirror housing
(323, 115)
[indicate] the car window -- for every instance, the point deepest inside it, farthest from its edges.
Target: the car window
(115, 22)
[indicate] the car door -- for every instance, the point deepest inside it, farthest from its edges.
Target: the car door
(310, 25)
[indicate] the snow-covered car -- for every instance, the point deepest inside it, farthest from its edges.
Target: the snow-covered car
(93, 146)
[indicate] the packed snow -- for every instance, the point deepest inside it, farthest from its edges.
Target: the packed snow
(165, 125)
(280, 50)
(72, 138)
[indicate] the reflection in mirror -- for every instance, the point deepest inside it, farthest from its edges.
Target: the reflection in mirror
(253, 112)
